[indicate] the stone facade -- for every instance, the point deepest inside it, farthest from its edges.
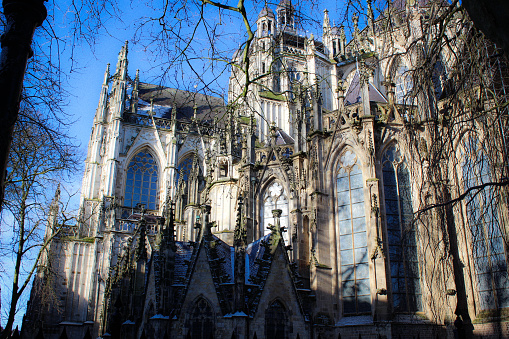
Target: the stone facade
(330, 147)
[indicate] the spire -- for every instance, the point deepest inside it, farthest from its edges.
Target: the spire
(240, 237)
(276, 230)
(317, 107)
(103, 98)
(355, 20)
(134, 96)
(169, 224)
(370, 18)
(342, 39)
(121, 70)
(239, 244)
(107, 75)
(53, 213)
(141, 250)
(206, 232)
(326, 22)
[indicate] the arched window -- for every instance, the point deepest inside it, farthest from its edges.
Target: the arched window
(202, 320)
(275, 198)
(439, 78)
(404, 85)
(353, 246)
(405, 281)
(141, 182)
(276, 321)
(485, 227)
(185, 166)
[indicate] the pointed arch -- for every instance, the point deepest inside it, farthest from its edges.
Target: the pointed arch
(486, 227)
(276, 321)
(142, 180)
(275, 196)
(202, 324)
(401, 232)
(351, 228)
(400, 74)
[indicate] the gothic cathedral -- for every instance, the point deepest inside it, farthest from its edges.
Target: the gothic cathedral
(292, 210)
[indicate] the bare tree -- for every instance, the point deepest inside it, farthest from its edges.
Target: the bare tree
(41, 157)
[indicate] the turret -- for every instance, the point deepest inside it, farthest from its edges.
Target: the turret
(266, 23)
(285, 16)
(331, 37)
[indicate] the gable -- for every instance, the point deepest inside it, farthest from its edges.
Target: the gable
(279, 287)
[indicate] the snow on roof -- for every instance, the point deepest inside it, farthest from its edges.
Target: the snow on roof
(164, 99)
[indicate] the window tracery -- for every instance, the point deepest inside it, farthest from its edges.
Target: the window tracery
(202, 320)
(275, 198)
(142, 181)
(485, 227)
(351, 219)
(404, 266)
(276, 321)
(404, 85)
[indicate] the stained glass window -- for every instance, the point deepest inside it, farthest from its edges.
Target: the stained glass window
(353, 245)
(404, 85)
(438, 78)
(275, 198)
(185, 167)
(487, 241)
(405, 281)
(141, 182)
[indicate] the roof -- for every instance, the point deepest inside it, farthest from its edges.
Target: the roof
(353, 95)
(283, 139)
(165, 98)
(266, 12)
(183, 256)
(285, 4)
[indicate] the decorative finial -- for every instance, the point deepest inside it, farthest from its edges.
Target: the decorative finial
(106, 74)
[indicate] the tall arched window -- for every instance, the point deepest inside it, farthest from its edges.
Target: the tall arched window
(439, 77)
(141, 182)
(202, 320)
(276, 321)
(275, 198)
(487, 240)
(405, 281)
(353, 245)
(404, 85)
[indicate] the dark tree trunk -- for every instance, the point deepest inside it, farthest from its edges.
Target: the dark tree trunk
(22, 17)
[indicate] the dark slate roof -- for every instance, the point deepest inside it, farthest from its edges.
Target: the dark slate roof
(164, 98)
(224, 251)
(353, 95)
(254, 252)
(283, 139)
(266, 12)
(182, 261)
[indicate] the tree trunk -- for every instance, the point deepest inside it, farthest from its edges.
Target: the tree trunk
(22, 17)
